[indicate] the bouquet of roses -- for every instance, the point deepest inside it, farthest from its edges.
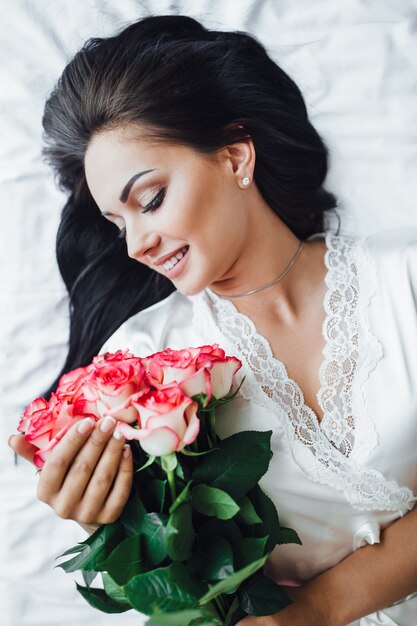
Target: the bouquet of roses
(197, 529)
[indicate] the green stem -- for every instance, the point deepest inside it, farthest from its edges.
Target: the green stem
(171, 482)
(230, 612)
(212, 425)
(220, 608)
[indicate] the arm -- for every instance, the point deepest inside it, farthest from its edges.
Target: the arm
(371, 578)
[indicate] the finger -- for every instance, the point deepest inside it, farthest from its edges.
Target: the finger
(101, 481)
(120, 491)
(62, 455)
(69, 489)
(21, 447)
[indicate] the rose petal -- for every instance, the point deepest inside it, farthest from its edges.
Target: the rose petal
(222, 376)
(199, 382)
(131, 433)
(160, 442)
(174, 420)
(192, 431)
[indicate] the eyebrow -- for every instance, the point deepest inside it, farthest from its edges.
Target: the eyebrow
(126, 189)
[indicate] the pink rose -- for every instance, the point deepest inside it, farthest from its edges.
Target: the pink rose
(44, 424)
(112, 380)
(167, 421)
(170, 366)
(102, 388)
(105, 386)
(189, 368)
(70, 382)
(222, 368)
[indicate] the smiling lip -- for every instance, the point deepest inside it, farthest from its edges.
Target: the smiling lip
(165, 258)
(178, 268)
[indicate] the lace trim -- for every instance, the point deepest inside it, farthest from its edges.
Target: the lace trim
(326, 452)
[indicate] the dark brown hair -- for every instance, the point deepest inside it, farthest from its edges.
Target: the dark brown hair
(204, 89)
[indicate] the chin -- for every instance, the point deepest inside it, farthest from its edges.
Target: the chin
(192, 288)
(189, 291)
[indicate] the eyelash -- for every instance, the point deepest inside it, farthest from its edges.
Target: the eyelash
(155, 203)
(151, 207)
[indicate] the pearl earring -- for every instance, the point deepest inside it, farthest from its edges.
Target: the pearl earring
(245, 181)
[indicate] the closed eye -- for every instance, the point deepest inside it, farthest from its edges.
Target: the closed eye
(155, 203)
(151, 207)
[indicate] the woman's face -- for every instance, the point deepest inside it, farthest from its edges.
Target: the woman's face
(184, 215)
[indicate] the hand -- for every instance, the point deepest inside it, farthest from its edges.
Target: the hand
(88, 475)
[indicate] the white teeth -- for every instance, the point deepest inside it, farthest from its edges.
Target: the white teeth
(174, 259)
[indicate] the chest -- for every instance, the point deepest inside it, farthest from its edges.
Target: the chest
(299, 348)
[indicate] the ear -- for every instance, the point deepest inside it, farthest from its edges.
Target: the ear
(241, 157)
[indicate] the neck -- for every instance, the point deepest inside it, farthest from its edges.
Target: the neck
(268, 249)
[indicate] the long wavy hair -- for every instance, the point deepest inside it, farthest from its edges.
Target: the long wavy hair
(201, 88)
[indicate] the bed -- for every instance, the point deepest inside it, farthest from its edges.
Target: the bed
(356, 63)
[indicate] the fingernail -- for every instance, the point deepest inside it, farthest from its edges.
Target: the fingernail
(85, 425)
(107, 424)
(117, 434)
(126, 452)
(10, 440)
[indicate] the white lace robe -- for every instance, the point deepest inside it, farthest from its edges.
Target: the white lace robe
(341, 481)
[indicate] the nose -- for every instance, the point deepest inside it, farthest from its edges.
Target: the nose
(139, 243)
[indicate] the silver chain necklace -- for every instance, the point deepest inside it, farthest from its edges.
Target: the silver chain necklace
(272, 282)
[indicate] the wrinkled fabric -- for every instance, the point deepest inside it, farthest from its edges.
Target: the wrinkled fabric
(355, 63)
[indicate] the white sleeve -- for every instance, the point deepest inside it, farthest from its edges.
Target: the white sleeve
(162, 325)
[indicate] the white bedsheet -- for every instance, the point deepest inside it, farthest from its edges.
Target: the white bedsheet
(356, 63)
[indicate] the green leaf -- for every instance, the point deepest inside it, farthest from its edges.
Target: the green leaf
(247, 513)
(88, 577)
(215, 559)
(261, 596)
(177, 618)
(87, 542)
(156, 490)
(180, 534)
(179, 470)
(95, 549)
(148, 463)
(213, 502)
(157, 590)
(133, 514)
(187, 452)
(201, 399)
(227, 529)
(252, 549)
(98, 599)
(183, 577)
(231, 583)
(238, 464)
(266, 510)
(184, 496)
(288, 535)
(125, 561)
(112, 589)
(153, 529)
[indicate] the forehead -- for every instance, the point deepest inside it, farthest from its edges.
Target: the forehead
(120, 146)
(113, 156)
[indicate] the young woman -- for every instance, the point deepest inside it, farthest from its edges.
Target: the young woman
(196, 214)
